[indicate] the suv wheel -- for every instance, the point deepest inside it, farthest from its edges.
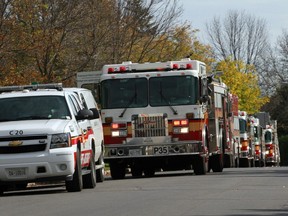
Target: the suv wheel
(76, 184)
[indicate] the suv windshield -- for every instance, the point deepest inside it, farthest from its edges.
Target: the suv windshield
(37, 107)
(162, 91)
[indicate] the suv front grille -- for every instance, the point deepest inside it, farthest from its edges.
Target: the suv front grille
(30, 144)
(22, 149)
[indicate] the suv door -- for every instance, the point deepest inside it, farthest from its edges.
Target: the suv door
(89, 102)
(85, 128)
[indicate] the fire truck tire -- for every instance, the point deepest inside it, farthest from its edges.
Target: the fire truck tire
(252, 163)
(76, 184)
(227, 161)
(2, 189)
(117, 170)
(136, 171)
(257, 164)
(149, 172)
(217, 163)
(100, 173)
(89, 180)
(244, 162)
(200, 166)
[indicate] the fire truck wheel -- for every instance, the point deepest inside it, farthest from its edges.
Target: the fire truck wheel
(136, 171)
(76, 184)
(200, 166)
(252, 163)
(227, 161)
(217, 163)
(257, 163)
(2, 189)
(100, 173)
(244, 162)
(89, 180)
(149, 172)
(117, 170)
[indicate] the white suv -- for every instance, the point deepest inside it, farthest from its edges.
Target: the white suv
(47, 133)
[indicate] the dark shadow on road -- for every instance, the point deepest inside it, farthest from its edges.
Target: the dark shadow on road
(227, 172)
(37, 190)
(266, 212)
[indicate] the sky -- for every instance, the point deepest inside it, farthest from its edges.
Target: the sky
(200, 12)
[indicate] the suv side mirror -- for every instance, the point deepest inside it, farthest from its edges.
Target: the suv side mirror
(96, 114)
(84, 114)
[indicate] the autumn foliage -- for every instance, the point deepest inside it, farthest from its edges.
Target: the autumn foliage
(242, 81)
(50, 40)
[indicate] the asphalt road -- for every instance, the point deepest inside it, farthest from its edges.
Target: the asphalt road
(236, 191)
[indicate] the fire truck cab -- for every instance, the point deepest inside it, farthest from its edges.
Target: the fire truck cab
(272, 155)
(256, 140)
(246, 158)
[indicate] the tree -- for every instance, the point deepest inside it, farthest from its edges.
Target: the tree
(50, 40)
(244, 85)
(139, 27)
(241, 37)
(277, 107)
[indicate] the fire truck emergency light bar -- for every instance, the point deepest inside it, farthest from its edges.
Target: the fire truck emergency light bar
(126, 67)
(57, 86)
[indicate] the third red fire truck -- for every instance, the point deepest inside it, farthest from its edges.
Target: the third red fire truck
(270, 137)
(246, 157)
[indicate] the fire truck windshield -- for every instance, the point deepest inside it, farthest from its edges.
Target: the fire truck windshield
(173, 90)
(243, 125)
(268, 136)
(124, 93)
(162, 91)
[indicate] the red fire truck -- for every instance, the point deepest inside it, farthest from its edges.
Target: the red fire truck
(221, 123)
(256, 140)
(162, 116)
(246, 157)
(232, 150)
(272, 155)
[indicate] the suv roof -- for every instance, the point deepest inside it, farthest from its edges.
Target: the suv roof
(32, 90)
(57, 86)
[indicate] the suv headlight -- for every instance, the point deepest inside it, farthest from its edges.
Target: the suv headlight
(60, 140)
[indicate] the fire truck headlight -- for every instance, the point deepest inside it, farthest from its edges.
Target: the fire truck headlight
(119, 133)
(266, 152)
(60, 140)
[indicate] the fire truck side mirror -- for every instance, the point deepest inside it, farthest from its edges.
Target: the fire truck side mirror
(204, 99)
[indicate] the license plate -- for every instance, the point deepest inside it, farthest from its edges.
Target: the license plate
(16, 172)
(160, 150)
(135, 152)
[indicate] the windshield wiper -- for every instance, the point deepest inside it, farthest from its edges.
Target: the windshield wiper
(167, 102)
(128, 104)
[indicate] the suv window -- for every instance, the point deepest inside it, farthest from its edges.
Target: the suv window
(83, 101)
(73, 104)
